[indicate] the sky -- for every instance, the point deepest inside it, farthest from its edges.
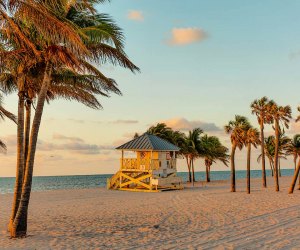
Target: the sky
(202, 62)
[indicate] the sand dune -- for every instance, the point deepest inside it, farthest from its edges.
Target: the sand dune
(207, 216)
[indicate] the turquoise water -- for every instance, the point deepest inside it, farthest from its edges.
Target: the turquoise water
(43, 183)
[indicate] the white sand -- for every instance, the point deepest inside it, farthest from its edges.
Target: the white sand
(204, 217)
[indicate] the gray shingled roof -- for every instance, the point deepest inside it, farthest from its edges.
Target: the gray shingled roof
(149, 142)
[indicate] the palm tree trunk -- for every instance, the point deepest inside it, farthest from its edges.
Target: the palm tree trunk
(279, 167)
(189, 168)
(193, 171)
(20, 158)
(271, 166)
(292, 187)
(263, 158)
(19, 228)
(276, 156)
(248, 167)
(207, 173)
(233, 189)
(27, 128)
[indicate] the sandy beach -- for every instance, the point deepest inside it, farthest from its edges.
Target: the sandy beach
(207, 216)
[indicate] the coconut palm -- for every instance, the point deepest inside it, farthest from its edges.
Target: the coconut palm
(212, 151)
(161, 130)
(74, 52)
(260, 107)
(281, 115)
(284, 143)
(235, 129)
(193, 142)
(294, 149)
(251, 138)
(185, 152)
(269, 143)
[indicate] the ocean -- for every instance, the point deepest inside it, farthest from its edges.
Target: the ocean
(43, 183)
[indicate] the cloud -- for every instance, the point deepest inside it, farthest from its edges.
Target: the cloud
(67, 138)
(74, 147)
(185, 36)
(135, 15)
(124, 122)
(184, 125)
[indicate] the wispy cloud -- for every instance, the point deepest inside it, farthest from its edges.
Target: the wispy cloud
(135, 15)
(74, 147)
(67, 138)
(185, 36)
(185, 125)
(124, 122)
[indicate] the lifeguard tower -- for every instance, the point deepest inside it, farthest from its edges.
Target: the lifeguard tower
(153, 168)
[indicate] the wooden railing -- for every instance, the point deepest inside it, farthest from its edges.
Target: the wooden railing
(139, 164)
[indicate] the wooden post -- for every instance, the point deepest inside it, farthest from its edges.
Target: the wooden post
(122, 159)
(151, 160)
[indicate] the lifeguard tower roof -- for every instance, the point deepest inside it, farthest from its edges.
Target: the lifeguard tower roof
(148, 142)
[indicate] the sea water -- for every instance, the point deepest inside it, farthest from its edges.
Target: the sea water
(42, 183)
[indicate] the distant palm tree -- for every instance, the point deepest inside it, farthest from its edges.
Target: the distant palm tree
(235, 129)
(212, 150)
(284, 142)
(161, 130)
(251, 138)
(194, 147)
(185, 152)
(269, 143)
(260, 108)
(294, 149)
(281, 115)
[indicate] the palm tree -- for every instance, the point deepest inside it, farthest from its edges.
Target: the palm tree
(284, 143)
(212, 150)
(161, 130)
(235, 129)
(74, 52)
(282, 115)
(294, 149)
(251, 138)
(260, 107)
(185, 152)
(193, 141)
(269, 143)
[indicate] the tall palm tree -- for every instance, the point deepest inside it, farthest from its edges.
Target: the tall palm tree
(251, 138)
(75, 52)
(281, 115)
(212, 150)
(235, 129)
(294, 149)
(260, 107)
